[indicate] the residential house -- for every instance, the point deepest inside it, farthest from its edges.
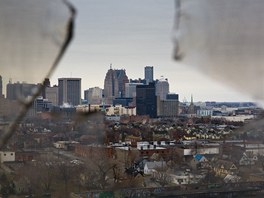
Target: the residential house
(248, 158)
(186, 177)
(224, 167)
(7, 156)
(151, 167)
(199, 162)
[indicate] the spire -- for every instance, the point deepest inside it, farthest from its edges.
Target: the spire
(110, 65)
(191, 99)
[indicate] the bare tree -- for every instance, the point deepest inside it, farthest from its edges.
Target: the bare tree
(160, 176)
(64, 170)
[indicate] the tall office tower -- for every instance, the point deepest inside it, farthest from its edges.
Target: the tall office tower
(131, 91)
(1, 86)
(169, 107)
(122, 80)
(162, 88)
(46, 84)
(110, 86)
(93, 95)
(146, 100)
(149, 74)
(52, 94)
(18, 90)
(114, 84)
(69, 91)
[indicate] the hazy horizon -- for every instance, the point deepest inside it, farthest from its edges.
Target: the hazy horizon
(131, 35)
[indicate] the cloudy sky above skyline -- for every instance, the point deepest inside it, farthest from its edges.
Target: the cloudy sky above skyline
(130, 35)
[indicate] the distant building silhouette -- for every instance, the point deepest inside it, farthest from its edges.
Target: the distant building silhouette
(69, 91)
(143, 81)
(15, 91)
(122, 80)
(146, 100)
(93, 95)
(191, 108)
(52, 94)
(149, 74)
(110, 86)
(46, 84)
(114, 84)
(162, 88)
(125, 102)
(131, 89)
(169, 107)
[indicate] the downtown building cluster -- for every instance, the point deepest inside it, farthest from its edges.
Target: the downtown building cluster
(148, 96)
(135, 96)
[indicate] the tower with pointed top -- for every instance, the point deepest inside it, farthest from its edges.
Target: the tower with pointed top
(114, 84)
(191, 109)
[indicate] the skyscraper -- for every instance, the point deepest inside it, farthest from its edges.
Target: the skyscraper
(46, 84)
(122, 80)
(52, 94)
(93, 95)
(19, 90)
(114, 84)
(146, 100)
(162, 88)
(110, 86)
(149, 74)
(70, 91)
(130, 91)
(169, 106)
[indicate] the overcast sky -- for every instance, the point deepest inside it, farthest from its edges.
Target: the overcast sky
(132, 34)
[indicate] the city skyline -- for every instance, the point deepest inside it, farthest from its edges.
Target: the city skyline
(83, 89)
(131, 35)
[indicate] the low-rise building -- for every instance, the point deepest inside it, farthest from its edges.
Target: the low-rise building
(66, 145)
(119, 110)
(222, 168)
(7, 156)
(151, 167)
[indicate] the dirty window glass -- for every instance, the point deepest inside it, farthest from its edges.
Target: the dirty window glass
(223, 39)
(54, 144)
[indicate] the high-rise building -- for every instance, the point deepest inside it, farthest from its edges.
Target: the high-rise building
(169, 107)
(93, 95)
(172, 96)
(143, 81)
(52, 94)
(9, 108)
(110, 86)
(122, 80)
(131, 89)
(131, 92)
(162, 88)
(149, 74)
(69, 91)
(46, 84)
(114, 84)
(19, 90)
(1, 86)
(146, 100)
